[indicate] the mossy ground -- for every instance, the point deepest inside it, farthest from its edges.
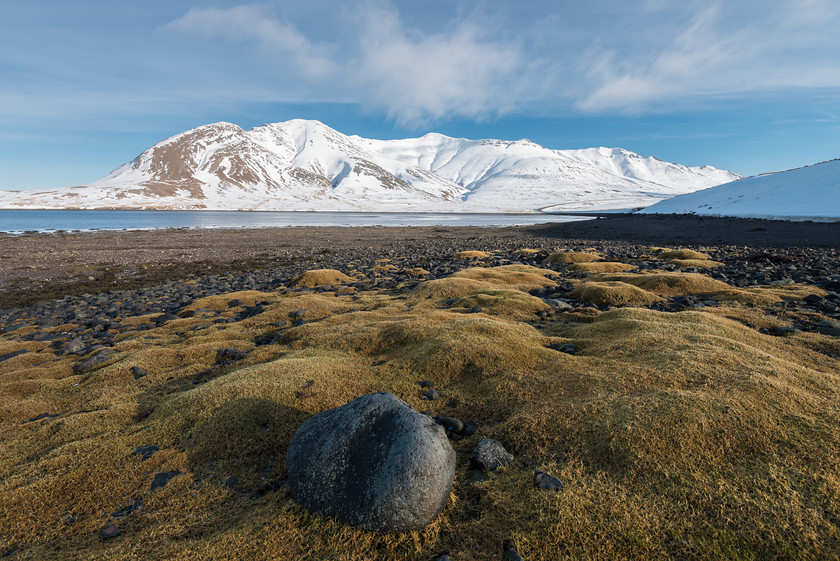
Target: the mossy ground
(685, 435)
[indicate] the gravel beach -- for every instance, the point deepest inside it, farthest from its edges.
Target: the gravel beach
(43, 266)
(146, 270)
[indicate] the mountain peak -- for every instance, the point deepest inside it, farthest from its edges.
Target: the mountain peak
(304, 164)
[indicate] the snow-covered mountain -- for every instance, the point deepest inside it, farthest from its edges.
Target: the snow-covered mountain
(305, 165)
(807, 193)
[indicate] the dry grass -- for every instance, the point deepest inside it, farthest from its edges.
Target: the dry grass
(472, 255)
(600, 267)
(678, 435)
(504, 303)
(683, 254)
(668, 284)
(320, 277)
(613, 293)
(695, 263)
(561, 257)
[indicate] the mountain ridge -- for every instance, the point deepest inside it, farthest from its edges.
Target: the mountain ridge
(306, 165)
(809, 192)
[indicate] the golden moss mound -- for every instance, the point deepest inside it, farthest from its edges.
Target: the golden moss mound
(320, 277)
(505, 303)
(478, 279)
(219, 302)
(683, 254)
(696, 263)
(669, 284)
(560, 257)
(439, 290)
(613, 293)
(519, 277)
(601, 267)
(472, 255)
(677, 435)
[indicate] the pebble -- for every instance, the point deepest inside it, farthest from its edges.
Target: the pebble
(94, 362)
(161, 479)
(110, 531)
(543, 480)
(138, 372)
(229, 355)
(128, 509)
(510, 553)
(490, 455)
(431, 394)
(145, 452)
(568, 348)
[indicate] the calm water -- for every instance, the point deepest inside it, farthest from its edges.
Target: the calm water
(16, 221)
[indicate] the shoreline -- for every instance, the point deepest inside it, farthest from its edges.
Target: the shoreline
(41, 266)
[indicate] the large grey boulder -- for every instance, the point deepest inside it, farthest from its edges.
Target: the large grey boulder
(374, 463)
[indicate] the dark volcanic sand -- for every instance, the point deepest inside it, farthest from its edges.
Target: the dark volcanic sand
(45, 266)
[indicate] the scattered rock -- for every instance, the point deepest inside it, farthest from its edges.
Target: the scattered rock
(543, 480)
(426, 384)
(229, 355)
(568, 348)
(475, 476)
(145, 452)
(163, 478)
(490, 455)
(138, 372)
(829, 328)
(431, 394)
(41, 416)
(74, 346)
(128, 509)
(374, 463)
(268, 487)
(231, 482)
(163, 318)
(558, 305)
(110, 531)
(94, 362)
(510, 553)
(12, 354)
(236, 302)
(784, 331)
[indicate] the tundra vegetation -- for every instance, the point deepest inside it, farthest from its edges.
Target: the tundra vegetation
(693, 434)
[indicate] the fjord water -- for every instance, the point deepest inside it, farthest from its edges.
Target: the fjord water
(17, 221)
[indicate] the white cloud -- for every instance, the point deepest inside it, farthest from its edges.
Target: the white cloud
(717, 53)
(414, 76)
(655, 56)
(253, 23)
(417, 77)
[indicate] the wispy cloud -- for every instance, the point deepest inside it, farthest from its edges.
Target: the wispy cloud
(256, 24)
(718, 53)
(416, 77)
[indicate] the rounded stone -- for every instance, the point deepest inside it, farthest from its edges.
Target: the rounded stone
(374, 463)
(489, 454)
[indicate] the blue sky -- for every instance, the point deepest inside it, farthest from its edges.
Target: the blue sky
(751, 86)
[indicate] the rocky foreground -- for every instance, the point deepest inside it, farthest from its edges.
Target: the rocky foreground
(604, 399)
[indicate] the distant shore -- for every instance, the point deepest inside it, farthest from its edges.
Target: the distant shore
(43, 266)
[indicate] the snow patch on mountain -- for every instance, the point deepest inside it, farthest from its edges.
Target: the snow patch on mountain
(306, 165)
(807, 193)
